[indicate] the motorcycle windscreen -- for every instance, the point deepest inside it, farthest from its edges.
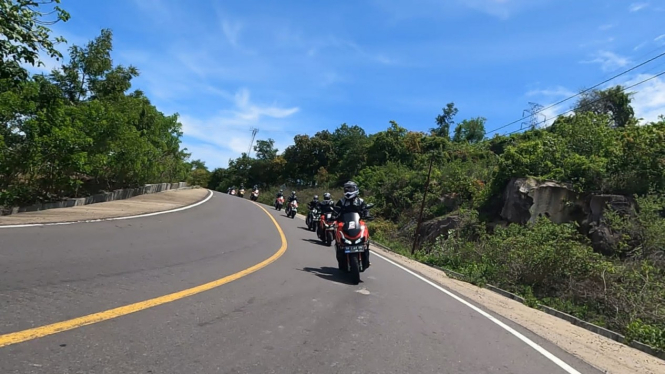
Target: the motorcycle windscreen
(351, 224)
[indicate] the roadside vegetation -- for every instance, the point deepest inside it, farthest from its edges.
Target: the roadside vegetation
(80, 128)
(599, 153)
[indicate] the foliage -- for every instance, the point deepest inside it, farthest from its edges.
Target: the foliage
(24, 35)
(78, 131)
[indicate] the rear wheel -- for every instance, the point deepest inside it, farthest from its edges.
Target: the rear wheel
(355, 268)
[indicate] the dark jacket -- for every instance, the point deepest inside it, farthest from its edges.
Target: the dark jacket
(326, 206)
(356, 205)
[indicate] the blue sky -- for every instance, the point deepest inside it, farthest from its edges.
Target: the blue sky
(289, 67)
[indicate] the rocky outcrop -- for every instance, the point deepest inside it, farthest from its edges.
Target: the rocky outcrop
(526, 199)
(432, 229)
(603, 239)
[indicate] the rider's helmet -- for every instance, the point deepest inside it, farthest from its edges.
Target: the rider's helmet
(316, 197)
(351, 190)
(281, 191)
(242, 185)
(326, 196)
(256, 186)
(293, 193)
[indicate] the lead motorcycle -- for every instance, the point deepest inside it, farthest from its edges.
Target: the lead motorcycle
(352, 244)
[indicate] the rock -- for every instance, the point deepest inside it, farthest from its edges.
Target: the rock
(432, 229)
(603, 238)
(526, 199)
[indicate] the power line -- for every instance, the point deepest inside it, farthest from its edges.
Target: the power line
(595, 101)
(251, 142)
(580, 93)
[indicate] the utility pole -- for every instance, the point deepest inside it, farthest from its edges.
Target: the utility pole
(251, 143)
(533, 113)
(422, 206)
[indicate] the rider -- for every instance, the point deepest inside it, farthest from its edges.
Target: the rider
(326, 205)
(293, 196)
(352, 203)
(314, 203)
(255, 188)
(279, 194)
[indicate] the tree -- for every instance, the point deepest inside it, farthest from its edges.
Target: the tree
(24, 34)
(265, 149)
(613, 101)
(198, 164)
(470, 130)
(445, 121)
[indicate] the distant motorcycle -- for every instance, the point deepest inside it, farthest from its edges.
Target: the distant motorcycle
(233, 192)
(313, 218)
(255, 195)
(326, 229)
(241, 193)
(292, 209)
(279, 203)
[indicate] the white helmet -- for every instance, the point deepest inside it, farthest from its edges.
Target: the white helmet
(351, 190)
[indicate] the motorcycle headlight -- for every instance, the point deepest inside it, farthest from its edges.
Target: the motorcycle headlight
(347, 241)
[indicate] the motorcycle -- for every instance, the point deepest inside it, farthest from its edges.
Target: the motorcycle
(279, 203)
(241, 193)
(352, 244)
(313, 218)
(233, 192)
(255, 195)
(326, 231)
(292, 209)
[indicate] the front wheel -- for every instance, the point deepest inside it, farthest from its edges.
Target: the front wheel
(355, 268)
(329, 238)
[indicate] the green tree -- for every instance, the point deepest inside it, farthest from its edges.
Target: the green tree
(265, 149)
(470, 130)
(445, 121)
(612, 101)
(24, 33)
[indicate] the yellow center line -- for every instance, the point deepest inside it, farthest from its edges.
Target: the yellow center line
(54, 328)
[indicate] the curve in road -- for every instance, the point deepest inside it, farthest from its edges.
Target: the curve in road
(296, 315)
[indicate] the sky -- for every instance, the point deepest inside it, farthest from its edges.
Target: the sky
(297, 67)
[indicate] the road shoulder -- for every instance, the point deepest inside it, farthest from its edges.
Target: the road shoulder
(600, 352)
(143, 204)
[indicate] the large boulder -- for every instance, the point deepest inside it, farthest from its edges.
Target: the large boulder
(526, 199)
(603, 238)
(432, 229)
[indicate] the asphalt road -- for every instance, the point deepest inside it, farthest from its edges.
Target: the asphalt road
(296, 315)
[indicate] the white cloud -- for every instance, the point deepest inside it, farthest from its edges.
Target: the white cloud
(660, 39)
(649, 99)
(635, 7)
(228, 133)
(231, 31)
(608, 60)
(605, 27)
(558, 91)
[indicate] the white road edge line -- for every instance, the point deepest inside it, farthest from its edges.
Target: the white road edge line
(112, 218)
(521, 337)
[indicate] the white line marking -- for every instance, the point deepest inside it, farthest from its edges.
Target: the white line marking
(112, 218)
(521, 337)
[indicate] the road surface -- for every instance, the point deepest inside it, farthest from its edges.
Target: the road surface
(294, 315)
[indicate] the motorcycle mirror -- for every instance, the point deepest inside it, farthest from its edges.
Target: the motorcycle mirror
(370, 205)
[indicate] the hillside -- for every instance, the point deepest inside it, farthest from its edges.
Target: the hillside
(571, 215)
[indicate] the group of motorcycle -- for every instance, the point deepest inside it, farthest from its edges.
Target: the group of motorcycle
(348, 232)
(241, 193)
